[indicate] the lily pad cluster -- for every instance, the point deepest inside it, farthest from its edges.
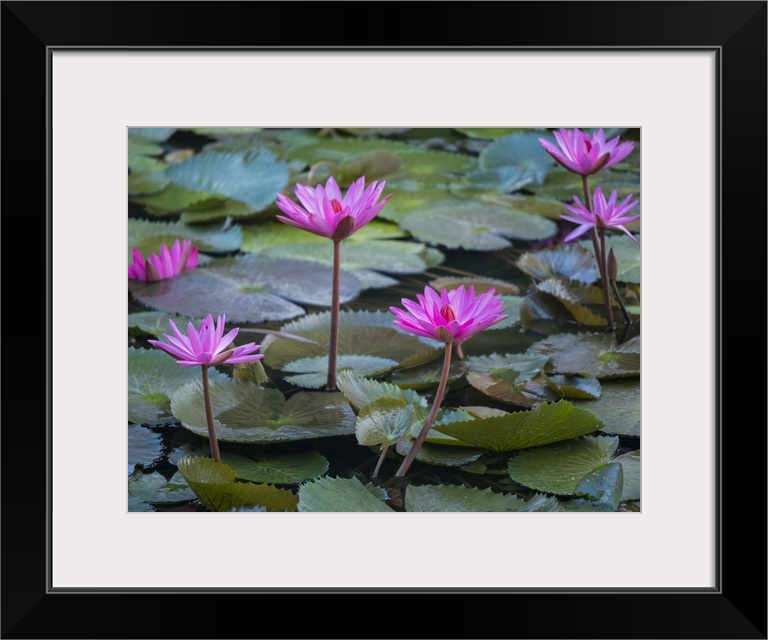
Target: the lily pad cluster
(542, 410)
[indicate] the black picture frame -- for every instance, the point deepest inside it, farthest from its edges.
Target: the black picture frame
(735, 30)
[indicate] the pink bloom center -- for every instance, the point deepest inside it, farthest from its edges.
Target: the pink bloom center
(447, 313)
(337, 208)
(587, 143)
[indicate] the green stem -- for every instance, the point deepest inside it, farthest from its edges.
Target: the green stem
(607, 282)
(209, 415)
(381, 459)
(432, 414)
(601, 263)
(333, 347)
(617, 295)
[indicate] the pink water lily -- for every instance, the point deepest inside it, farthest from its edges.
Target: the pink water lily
(605, 214)
(450, 316)
(171, 262)
(584, 154)
(206, 346)
(325, 212)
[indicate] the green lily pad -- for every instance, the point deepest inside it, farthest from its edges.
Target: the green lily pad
(170, 200)
(492, 133)
(547, 207)
(155, 323)
(503, 179)
(541, 425)
(145, 183)
(252, 176)
(598, 490)
(155, 134)
(154, 488)
(339, 495)
(137, 505)
(152, 377)
(144, 447)
(618, 406)
(360, 392)
(558, 468)
(313, 372)
(273, 468)
(412, 195)
(427, 375)
(481, 285)
(269, 233)
(627, 254)
(248, 288)
(216, 486)
(475, 226)
(561, 184)
(576, 387)
(572, 261)
(383, 422)
(441, 456)
(519, 150)
(562, 301)
(369, 333)
(148, 236)
(247, 413)
(453, 498)
(513, 378)
(595, 354)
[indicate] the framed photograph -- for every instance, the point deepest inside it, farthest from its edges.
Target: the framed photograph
(686, 80)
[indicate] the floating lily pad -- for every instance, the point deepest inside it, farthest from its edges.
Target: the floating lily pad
(481, 285)
(595, 354)
(247, 288)
(561, 184)
(277, 468)
(519, 150)
(627, 254)
(427, 375)
(144, 447)
(572, 261)
(252, 176)
(547, 207)
(598, 490)
(514, 378)
(369, 333)
(441, 456)
(170, 200)
(558, 468)
(413, 195)
(576, 387)
(383, 422)
(270, 233)
(154, 488)
(156, 322)
(152, 377)
(541, 425)
(475, 226)
(137, 505)
(360, 392)
(145, 183)
(155, 134)
(338, 495)
(216, 486)
(492, 133)
(452, 498)
(562, 301)
(245, 412)
(148, 236)
(630, 464)
(618, 406)
(313, 372)
(501, 179)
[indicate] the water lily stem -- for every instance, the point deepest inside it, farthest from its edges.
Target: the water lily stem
(381, 459)
(432, 414)
(209, 415)
(600, 257)
(333, 347)
(617, 295)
